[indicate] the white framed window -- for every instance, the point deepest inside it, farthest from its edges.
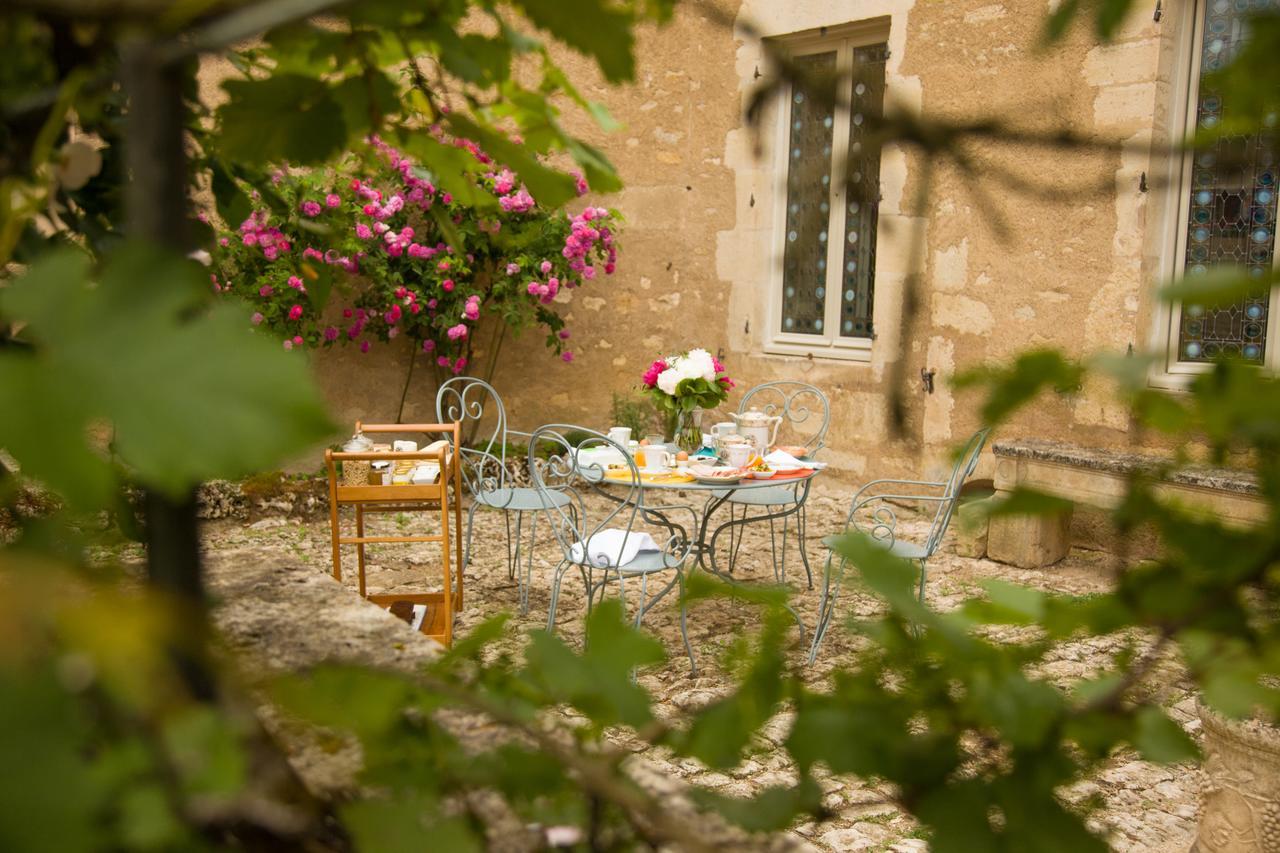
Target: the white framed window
(822, 289)
(1224, 208)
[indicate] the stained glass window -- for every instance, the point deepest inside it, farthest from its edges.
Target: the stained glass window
(1231, 216)
(804, 258)
(829, 248)
(863, 199)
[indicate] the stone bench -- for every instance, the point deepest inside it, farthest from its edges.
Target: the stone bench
(1098, 478)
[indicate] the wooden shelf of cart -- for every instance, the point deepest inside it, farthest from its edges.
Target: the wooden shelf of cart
(442, 496)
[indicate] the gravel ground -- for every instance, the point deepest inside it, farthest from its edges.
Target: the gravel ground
(1144, 807)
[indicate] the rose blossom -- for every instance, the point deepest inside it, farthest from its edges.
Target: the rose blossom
(295, 312)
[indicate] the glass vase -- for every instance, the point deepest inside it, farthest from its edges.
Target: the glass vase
(688, 431)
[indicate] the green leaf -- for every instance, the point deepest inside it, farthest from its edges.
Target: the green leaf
(366, 99)
(1015, 386)
(473, 57)
(286, 116)
(1022, 603)
(363, 701)
(205, 748)
(598, 683)
(50, 801)
(550, 188)
(190, 395)
(408, 823)
(595, 28)
(1218, 287)
(772, 810)
(1160, 739)
(1027, 501)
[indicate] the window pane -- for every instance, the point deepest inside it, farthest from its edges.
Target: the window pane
(804, 257)
(1232, 207)
(863, 197)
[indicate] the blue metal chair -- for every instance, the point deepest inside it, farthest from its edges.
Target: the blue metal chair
(478, 407)
(871, 513)
(806, 415)
(561, 482)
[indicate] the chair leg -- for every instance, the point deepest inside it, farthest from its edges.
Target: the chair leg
(827, 608)
(779, 570)
(742, 533)
(511, 571)
(802, 531)
(555, 595)
(923, 575)
(684, 629)
(528, 570)
(466, 551)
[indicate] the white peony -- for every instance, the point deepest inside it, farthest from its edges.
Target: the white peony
(700, 365)
(669, 379)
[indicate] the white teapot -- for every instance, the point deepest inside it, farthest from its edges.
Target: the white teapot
(759, 428)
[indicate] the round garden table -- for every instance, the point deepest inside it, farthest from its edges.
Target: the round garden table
(717, 495)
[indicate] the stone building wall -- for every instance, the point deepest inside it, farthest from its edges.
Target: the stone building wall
(1003, 270)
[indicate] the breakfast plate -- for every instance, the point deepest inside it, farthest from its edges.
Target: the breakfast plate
(720, 476)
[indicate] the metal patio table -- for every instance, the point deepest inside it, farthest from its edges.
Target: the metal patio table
(703, 546)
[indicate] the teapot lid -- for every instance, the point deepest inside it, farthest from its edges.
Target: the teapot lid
(752, 415)
(358, 443)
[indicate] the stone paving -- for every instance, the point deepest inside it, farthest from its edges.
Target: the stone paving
(1141, 806)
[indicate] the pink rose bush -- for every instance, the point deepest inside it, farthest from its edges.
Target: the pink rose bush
(358, 253)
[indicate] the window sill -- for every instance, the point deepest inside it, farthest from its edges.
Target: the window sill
(856, 350)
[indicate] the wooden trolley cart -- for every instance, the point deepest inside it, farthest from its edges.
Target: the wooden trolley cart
(441, 606)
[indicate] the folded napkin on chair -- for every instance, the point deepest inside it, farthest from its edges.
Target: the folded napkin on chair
(612, 547)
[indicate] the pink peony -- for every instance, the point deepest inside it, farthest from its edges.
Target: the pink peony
(297, 340)
(545, 266)
(266, 290)
(363, 232)
(296, 283)
(443, 360)
(364, 346)
(447, 284)
(295, 312)
(457, 332)
(459, 366)
(256, 319)
(288, 344)
(428, 345)
(333, 200)
(566, 357)
(331, 333)
(651, 375)
(564, 334)
(311, 208)
(512, 269)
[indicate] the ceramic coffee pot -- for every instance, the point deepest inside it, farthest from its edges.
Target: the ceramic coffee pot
(758, 428)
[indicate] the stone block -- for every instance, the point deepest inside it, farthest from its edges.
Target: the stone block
(1029, 541)
(971, 528)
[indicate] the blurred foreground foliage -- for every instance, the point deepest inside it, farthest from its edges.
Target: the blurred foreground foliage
(108, 742)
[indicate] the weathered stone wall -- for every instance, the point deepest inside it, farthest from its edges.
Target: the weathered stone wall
(1003, 269)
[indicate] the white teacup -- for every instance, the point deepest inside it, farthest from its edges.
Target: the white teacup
(620, 435)
(738, 455)
(656, 460)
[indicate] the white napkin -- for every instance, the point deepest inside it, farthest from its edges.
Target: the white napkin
(783, 461)
(612, 547)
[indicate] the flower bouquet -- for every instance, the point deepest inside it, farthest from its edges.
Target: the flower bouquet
(681, 387)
